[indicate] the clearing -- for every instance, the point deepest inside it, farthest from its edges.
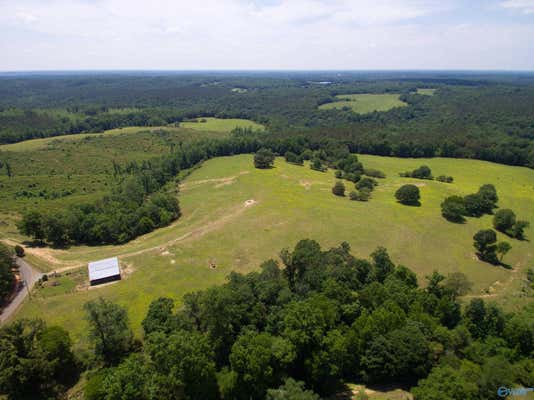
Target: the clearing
(365, 103)
(220, 125)
(236, 226)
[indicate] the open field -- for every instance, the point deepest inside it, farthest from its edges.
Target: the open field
(237, 216)
(428, 92)
(211, 125)
(365, 103)
(220, 125)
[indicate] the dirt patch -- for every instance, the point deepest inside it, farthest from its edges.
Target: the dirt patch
(307, 184)
(249, 202)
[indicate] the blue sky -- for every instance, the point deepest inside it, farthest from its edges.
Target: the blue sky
(266, 34)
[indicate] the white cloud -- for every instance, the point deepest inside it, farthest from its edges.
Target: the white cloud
(523, 6)
(251, 34)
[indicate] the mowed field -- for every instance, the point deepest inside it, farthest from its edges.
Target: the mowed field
(236, 216)
(365, 103)
(220, 125)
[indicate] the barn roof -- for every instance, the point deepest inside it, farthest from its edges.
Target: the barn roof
(103, 268)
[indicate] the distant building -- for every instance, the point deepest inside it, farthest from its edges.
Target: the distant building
(104, 271)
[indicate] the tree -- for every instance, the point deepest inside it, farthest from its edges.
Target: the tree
(264, 158)
(159, 317)
(366, 183)
(518, 229)
(185, 364)
(484, 242)
(36, 362)
(261, 361)
(9, 173)
(382, 264)
(423, 172)
(408, 194)
(293, 158)
(453, 209)
(19, 251)
(474, 205)
(291, 390)
(7, 278)
(339, 189)
(109, 330)
(360, 195)
(504, 220)
(503, 248)
(32, 224)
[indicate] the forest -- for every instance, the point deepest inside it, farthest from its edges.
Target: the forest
(296, 330)
(488, 117)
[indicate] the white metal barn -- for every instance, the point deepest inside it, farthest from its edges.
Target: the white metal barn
(104, 271)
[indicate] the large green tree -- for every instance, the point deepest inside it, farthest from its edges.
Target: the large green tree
(109, 330)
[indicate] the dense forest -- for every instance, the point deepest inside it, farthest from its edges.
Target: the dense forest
(294, 331)
(489, 117)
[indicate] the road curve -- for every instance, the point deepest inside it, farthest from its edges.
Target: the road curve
(30, 276)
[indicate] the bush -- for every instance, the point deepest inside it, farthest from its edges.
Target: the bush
(504, 220)
(360, 195)
(339, 174)
(19, 251)
(423, 172)
(339, 189)
(408, 194)
(293, 158)
(445, 179)
(453, 209)
(366, 183)
(375, 173)
(317, 165)
(485, 242)
(264, 158)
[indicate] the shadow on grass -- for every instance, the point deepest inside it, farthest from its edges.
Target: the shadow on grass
(410, 204)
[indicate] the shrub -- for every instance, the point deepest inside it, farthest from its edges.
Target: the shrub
(360, 195)
(19, 251)
(408, 194)
(375, 173)
(453, 209)
(484, 242)
(339, 174)
(366, 183)
(264, 158)
(445, 179)
(339, 189)
(504, 220)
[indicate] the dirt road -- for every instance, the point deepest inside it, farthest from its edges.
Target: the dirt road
(29, 275)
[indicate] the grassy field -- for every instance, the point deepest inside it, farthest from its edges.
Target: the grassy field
(210, 125)
(365, 103)
(427, 92)
(237, 216)
(220, 125)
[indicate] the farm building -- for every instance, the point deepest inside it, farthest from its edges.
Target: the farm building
(103, 271)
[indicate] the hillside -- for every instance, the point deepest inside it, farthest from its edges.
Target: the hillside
(236, 216)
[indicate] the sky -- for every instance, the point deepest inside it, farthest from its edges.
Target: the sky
(266, 34)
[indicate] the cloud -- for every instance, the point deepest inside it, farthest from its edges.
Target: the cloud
(252, 34)
(523, 6)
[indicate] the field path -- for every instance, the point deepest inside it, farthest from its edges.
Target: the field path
(29, 276)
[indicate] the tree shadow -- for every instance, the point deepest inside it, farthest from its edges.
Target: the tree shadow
(411, 203)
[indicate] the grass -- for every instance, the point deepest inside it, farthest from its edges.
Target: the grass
(293, 203)
(427, 92)
(365, 103)
(220, 125)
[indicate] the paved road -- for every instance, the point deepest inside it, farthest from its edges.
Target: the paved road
(29, 275)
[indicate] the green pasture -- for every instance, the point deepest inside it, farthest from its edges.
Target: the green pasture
(220, 125)
(236, 216)
(427, 92)
(365, 103)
